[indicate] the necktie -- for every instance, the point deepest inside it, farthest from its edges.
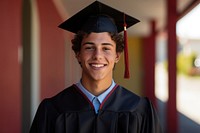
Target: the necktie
(96, 104)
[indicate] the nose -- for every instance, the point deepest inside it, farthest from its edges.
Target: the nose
(97, 55)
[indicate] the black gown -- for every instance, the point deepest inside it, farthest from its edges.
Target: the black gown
(70, 111)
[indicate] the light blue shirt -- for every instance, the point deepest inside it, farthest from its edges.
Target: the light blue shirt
(90, 96)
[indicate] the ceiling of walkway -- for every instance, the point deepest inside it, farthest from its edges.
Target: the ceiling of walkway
(144, 10)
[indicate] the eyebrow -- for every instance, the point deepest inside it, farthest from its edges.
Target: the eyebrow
(91, 43)
(88, 43)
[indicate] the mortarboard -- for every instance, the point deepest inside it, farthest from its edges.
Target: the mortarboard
(97, 18)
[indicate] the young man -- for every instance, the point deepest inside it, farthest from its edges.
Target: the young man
(96, 104)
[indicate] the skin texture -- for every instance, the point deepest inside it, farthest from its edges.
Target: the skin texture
(97, 57)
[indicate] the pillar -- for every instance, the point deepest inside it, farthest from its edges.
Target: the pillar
(149, 64)
(172, 51)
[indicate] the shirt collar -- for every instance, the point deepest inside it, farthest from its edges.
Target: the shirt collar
(90, 96)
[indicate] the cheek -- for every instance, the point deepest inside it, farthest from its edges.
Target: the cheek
(83, 57)
(112, 58)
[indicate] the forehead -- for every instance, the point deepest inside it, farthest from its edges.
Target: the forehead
(98, 38)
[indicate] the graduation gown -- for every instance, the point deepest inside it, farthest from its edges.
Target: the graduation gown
(70, 111)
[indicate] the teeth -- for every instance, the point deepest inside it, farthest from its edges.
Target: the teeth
(97, 65)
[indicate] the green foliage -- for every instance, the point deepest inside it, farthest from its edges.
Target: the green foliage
(185, 62)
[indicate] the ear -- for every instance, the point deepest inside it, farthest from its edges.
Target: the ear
(78, 57)
(118, 55)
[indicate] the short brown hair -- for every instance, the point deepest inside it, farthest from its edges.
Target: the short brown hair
(116, 37)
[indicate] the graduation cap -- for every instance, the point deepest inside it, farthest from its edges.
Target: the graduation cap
(97, 18)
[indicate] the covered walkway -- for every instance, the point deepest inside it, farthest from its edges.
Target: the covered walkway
(36, 60)
(188, 104)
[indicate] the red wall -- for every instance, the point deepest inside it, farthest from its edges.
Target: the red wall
(10, 73)
(52, 49)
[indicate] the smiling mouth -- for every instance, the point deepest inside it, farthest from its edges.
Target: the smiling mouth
(97, 65)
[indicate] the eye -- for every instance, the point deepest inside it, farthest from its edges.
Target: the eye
(106, 48)
(89, 48)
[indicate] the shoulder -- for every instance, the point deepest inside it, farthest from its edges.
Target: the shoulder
(49, 109)
(128, 97)
(70, 99)
(125, 92)
(121, 99)
(62, 95)
(145, 106)
(58, 100)
(130, 101)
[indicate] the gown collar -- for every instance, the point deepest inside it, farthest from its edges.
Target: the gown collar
(90, 96)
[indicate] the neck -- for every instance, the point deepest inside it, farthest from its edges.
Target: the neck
(96, 87)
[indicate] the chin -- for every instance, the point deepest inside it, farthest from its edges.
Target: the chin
(101, 78)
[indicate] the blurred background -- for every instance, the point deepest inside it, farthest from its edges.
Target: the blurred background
(36, 60)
